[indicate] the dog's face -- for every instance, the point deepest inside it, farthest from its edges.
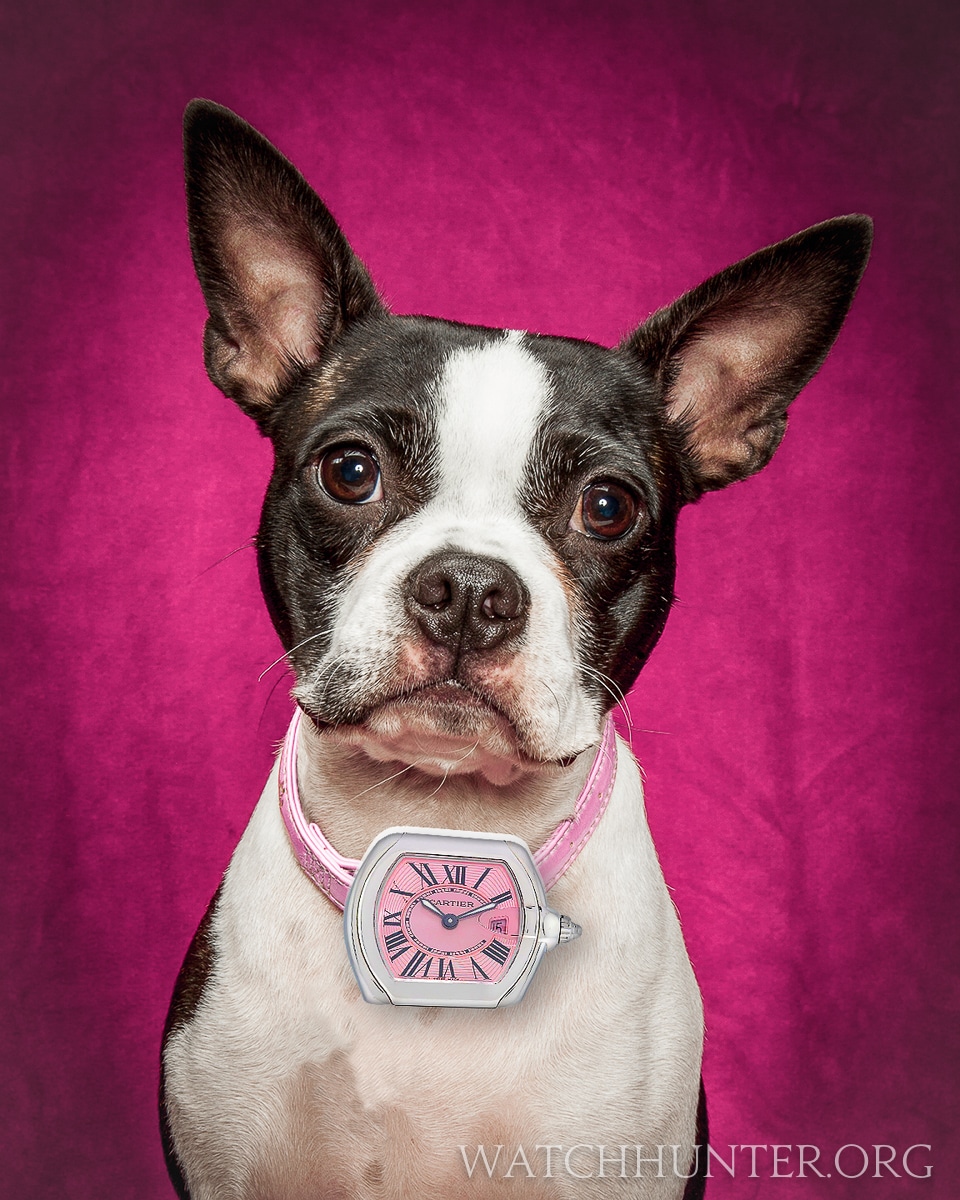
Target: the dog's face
(468, 558)
(467, 545)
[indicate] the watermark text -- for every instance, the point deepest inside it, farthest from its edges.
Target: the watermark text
(747, 1161)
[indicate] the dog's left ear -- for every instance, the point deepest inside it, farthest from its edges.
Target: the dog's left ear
(279, 278)
(733, 353)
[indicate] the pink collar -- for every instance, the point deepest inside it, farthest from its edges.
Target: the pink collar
(333, 874)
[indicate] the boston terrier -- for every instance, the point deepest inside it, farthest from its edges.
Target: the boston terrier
(467, 550)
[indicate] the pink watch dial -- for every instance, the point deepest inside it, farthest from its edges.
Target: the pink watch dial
(451, 919)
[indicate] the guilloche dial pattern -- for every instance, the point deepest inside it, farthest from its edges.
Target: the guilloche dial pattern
(449, 919)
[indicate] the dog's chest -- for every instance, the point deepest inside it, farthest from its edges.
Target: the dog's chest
(294, 1072)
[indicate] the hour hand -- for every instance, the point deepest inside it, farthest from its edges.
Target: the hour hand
(432, 907)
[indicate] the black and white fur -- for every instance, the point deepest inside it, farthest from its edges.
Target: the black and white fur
(458, 637)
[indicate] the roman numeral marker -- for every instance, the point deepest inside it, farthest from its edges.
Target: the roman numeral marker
(457, 874)
(497, 951)
(483, 874)
(392, 918)
(425, 873)
(445, 969)
(413, 966)
(396, 944)
(478, 970)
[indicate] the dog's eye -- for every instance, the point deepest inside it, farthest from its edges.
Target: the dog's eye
(350, 475)
(606, 510)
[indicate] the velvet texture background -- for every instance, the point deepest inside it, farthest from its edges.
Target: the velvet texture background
(554, 166)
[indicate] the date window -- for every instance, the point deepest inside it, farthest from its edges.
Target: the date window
(498, 925)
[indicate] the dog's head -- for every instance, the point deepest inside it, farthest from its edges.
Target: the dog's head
(467, 544)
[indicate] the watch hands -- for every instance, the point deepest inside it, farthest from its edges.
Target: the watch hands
(447, 920)
(452, 920)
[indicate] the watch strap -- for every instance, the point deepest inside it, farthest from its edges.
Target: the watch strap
(329, 870)
(572, 834)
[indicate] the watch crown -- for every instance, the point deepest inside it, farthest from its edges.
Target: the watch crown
(569, 930)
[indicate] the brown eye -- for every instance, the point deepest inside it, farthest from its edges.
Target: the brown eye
(606, 510)
(350, 475)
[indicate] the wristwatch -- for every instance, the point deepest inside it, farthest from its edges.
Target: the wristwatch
(448, 919)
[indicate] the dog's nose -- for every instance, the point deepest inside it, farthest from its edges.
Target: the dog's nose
(465, 601)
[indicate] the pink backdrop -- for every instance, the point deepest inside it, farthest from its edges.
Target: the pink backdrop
(555, 166)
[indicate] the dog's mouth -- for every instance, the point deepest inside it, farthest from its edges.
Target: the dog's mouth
(444, 708)
(450, 702)
(444, 727)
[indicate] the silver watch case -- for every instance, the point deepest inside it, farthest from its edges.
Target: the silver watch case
(541, 927)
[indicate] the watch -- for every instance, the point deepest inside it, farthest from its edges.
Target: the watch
(449, 919)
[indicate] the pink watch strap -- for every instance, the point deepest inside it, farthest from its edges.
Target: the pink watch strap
(572, 834)
(333, 874)
(330, 871)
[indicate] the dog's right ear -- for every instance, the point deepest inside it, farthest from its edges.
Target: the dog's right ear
(732, 353)
(278, 276)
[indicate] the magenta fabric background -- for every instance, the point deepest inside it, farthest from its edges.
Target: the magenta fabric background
(554, 166)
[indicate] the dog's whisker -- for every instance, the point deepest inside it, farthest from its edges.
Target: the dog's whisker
(324, 676)
(556, 700)
(430, 795)
(380, 782)
(286, 654)
(266, 704)
(266, 671)
(249, 544)
(466, 754)
(611, 687)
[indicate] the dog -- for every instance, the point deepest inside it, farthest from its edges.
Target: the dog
(467, 550)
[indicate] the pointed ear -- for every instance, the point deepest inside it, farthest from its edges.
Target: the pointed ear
(278, 276)
(733, 353)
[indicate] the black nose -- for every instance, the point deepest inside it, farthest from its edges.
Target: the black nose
(465, 601)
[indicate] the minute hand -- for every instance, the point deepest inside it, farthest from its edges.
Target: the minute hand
(472, 912)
